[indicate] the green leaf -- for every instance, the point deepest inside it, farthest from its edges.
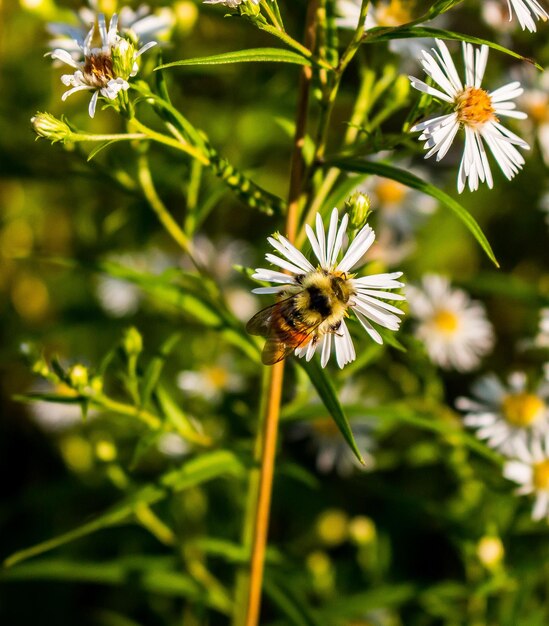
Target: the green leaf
(357, 605)
(292, 605)
(150, 574)
(328, 395)
(275, 55)
(207, 466)
(99, 148)
(412, 32)
(412, 181)
(155, 367)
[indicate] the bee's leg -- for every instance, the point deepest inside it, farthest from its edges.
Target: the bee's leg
(335, 327)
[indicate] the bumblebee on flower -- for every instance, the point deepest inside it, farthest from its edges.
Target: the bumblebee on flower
(314, 301)
(105, 69)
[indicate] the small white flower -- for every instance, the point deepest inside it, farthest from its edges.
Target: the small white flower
(475, 110)
(173, 445)
(531, 471)
(535, 102)
(333, 454)
(105, 70)
(506, 417)
(328, 306)
(141, 26)
(527, 11)
(454, 328)
(211, 381)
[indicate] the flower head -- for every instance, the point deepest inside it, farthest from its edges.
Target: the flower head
(527, 11)
(506, 416)
(531, 471)
(140, 26)
(475, 110)
(105, 69)
(313, 301)
(454, 328)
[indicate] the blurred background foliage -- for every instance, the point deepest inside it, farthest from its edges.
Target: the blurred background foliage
(429, 534)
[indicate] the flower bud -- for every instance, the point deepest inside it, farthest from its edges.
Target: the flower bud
(78, 376)
(333, 527)
(123, 54)
(47, 126)
(362, 530)
(132, 342)
(490, 552)
(358, 206)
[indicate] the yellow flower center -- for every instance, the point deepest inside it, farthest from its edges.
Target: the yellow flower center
(445, 321)
(325, 427)
(393, 14)
(390, 192)
(522, 409)
(218, 376)
(538, 110)
(474, 107)
(541, 475)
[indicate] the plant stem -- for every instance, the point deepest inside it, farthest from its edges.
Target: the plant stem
(258, 511)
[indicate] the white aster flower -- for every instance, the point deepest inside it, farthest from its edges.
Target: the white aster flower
(105, 70)
(314, 301)
(141, 25)
(527, 11)
(535, 102)
(211, 381)
(475, 110)
(454, 328)
(506, 416)
(531, 471)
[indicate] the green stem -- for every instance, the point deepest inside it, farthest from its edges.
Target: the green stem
(274, 19)
(169, 223)
(114, 137)
(292, 43)
(149, 520)
(182, 146)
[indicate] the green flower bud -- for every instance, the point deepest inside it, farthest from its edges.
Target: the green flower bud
(78, 376)
(132, 342)
(47, 126)
(123, 59)
(358, 206)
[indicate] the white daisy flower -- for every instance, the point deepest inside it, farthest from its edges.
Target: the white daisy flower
(105, 70)
(315, 300)
(454, 328)
(506, 417)
(141, 26)
(333, 454)
(531, 471)
(527, 12)
(211, 381)
(475, 110)
(535, 102)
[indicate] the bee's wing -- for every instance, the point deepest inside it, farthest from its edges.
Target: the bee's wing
(260, 324)
(282, 339)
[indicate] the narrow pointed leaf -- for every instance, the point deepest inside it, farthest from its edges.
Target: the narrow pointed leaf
(412, 32)
(155, 367)
(328, 395)
(274, 55)
(412, 181)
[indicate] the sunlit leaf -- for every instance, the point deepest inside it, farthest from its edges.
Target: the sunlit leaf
(271, 55)
(412, 181)
(380, 33)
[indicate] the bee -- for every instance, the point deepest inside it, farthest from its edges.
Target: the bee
(305, 311)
